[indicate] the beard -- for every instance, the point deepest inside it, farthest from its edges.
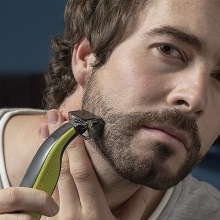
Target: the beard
(136, 159)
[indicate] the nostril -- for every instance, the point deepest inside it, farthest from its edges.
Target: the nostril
(190, 102)
(182, 102)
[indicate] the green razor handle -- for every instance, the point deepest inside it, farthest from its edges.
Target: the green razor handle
(44, 170)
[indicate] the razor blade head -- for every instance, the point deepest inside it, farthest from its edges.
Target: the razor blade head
(92, 123)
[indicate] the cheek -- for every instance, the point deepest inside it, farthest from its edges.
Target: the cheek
(130, 82)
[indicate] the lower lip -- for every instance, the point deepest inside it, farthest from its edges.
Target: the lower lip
(165, 138)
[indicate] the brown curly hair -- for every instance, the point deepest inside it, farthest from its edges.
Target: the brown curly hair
(103, 23)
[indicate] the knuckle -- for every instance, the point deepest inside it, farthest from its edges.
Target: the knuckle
(11, 195)
(24, 217)
(15, 216)
(64, 168)
(45, 199)
(81, 174)
(69, 216)
(94, 216)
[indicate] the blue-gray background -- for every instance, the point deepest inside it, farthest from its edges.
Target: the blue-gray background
(26, 28)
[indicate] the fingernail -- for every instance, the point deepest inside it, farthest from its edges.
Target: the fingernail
(52, 117)
(54, 209)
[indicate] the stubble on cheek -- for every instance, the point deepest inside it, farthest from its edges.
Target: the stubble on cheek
(146, 162)
(123, 152)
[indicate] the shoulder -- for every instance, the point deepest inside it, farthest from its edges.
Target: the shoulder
(20, 137)
(4, 111)
(10, 112)
(192, 199)
(200, 195)
(198, 189)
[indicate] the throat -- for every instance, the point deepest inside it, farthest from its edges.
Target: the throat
(119, 191)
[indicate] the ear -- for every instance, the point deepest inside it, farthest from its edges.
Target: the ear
(82, 59)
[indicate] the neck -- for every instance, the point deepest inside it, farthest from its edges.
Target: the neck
(117, 189)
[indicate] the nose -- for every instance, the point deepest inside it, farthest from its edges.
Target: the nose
(189, 94)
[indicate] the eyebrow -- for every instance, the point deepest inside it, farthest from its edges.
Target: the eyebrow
(178, 34)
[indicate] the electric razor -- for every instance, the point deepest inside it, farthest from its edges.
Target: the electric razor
(44, 170)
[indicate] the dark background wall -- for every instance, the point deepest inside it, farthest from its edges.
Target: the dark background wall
(26, 29)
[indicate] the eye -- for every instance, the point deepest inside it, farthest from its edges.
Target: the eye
(172, 51)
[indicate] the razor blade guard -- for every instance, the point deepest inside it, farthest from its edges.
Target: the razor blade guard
(44, 170)
(93, 123)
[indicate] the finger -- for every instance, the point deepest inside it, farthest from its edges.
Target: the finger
(77, 168)
(26, 199)
(68, 195)
(16, 216)
(55, 120)
(136, 205)
(89, 189)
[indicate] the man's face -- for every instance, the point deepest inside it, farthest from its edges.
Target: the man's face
(159, 93)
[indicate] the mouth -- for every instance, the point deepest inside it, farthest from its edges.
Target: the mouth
(170, 135)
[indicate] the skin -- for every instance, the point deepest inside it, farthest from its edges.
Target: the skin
(148, 76)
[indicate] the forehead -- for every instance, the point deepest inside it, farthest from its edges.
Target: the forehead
(184, 12)
(198, 17)
(189, 13)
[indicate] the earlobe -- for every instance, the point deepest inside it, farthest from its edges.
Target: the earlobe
(82, 58)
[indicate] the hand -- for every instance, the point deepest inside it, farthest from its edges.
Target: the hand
(13, 200)
(78, 192)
